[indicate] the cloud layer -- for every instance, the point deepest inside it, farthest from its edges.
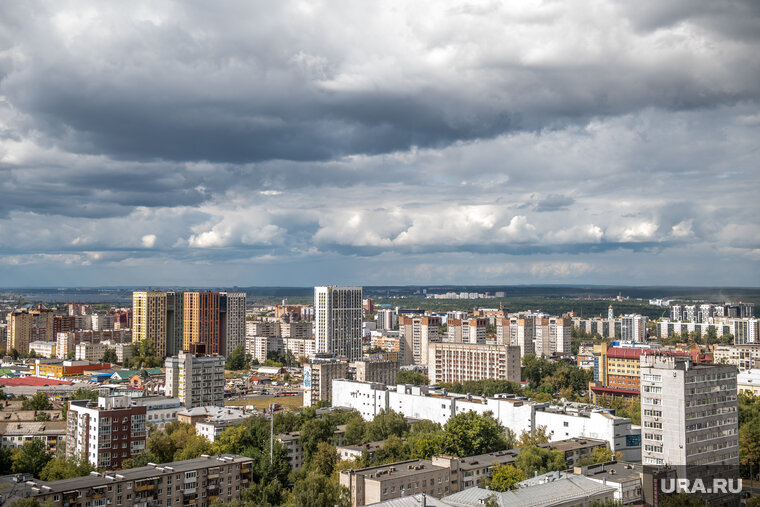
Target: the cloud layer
(297, 143)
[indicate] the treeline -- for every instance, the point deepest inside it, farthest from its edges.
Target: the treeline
(545, 380)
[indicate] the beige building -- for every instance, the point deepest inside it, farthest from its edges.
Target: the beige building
(459, 362)
(317, 380)
(436, 477)
(417, 333)
(443, 475)
(383, 372)
(158, 315)
(16, 434)
(466, 330)
(19, 331)
(744, 357)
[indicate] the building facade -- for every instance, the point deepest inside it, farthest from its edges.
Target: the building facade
(196, 380)
(107, 432)
(688, 412)
(196, 482)
(338, 321)
(460, 362)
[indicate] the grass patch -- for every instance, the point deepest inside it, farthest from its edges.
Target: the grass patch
(289, 402)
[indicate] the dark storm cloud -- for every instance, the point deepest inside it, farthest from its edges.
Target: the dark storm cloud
(223, 87)
(560, 135)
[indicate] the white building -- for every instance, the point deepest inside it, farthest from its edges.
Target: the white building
(196, 380)
(300, 347)
(43, 349)
(338, 324)
(423, 402)
(633, 327)
(688, 412)
(215, 424)
(160, 410)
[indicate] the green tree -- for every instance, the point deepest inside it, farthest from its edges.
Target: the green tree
(39, 401)
(385, 424)
(236, 359)
(600, 455)
(264, 493)
(109, 356)
(394, 449)
(537, 436)
(42, 416)
(6, 460)
(57, 469)
(313, 432)
(324, 459)
(412, 377)
(355, 431)
(316, 490)
(32, 458)
(468, 433)
(534, 459)
(504, 477)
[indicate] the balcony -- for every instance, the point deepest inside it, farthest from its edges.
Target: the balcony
(145, 487)
(213, 476)
(246, 470)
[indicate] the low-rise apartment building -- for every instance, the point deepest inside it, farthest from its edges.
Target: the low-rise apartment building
(195, 482)
(16, 434)
(744, 357)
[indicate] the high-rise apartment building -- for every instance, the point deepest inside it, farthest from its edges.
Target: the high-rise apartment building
(523, 334)
(232, 320)
(214, 322)
(108, 432)
(338, 321)
(158, 315)
(460, 362)
(417, 333)
(19, 331)
(633, 328)
(200, 326)
(197, 381)
(387, 319)
(688, 412)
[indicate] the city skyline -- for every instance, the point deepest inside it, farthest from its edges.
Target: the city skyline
(166, 144)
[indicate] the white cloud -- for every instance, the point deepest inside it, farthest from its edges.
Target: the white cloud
(149, 240)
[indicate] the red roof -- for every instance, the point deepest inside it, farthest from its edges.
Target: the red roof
(615, 391)
(636, 353)
(33, 381)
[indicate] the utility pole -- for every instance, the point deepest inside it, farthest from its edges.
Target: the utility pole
(271, 433)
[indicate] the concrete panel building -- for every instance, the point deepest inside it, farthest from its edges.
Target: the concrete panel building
(459, 362)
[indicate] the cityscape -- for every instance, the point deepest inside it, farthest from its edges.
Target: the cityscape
(362, 400)
(324, 253)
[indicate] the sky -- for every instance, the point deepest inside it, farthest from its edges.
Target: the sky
(297, 143)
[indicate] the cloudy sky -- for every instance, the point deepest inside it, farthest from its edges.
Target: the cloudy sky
(395, 142)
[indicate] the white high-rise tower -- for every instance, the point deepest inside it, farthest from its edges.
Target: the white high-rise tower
(338, 321)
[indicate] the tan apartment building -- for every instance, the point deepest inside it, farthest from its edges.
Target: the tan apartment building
(460, 362)
(417, 333)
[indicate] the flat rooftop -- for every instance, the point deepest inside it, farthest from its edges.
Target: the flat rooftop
(134, 474)
(397, 470)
